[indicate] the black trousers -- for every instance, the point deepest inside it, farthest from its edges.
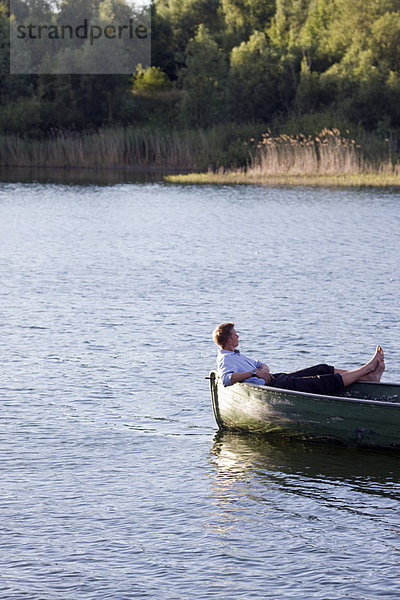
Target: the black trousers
(319, 379)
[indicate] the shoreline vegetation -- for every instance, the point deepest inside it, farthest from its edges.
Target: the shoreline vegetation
(327, 159)
(197, 109)
(241, 177)
(239, 154)
(133, 147)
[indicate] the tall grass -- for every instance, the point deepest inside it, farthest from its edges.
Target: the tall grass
(223, 152)
(132, 148)
(329, 153)
(325, 159)
(106, 148)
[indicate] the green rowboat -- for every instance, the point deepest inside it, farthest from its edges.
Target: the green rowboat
(366, 414)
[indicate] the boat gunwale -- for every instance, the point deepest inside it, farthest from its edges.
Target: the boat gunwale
(321, 396)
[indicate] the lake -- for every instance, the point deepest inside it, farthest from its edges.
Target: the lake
(114, 482)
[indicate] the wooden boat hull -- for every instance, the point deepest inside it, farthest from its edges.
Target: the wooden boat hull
(367, 414)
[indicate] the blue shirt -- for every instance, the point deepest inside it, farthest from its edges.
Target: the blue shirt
(233, 362)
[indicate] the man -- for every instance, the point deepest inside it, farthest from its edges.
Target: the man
(234, 367)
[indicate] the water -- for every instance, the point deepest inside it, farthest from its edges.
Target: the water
(114, 484)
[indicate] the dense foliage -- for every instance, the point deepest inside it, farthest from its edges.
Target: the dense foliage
(294, 65)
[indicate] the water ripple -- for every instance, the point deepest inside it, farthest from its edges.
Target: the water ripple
(112, 485)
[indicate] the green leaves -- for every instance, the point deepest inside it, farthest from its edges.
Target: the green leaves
(203, 80)
(214, 61)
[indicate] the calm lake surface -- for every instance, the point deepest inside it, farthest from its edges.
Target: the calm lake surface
(114, 482)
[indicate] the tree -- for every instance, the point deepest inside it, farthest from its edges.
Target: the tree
(287, 23)
(314, 37)
(244, 17)
(150, 81)
(256, 80)
(184, 17)
(385, 41)
(203, 80)
(12, 87)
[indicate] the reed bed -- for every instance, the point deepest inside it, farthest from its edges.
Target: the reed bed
(324, 159)
(130, 147)
(328, 158)
(328, 153)
(133, 148)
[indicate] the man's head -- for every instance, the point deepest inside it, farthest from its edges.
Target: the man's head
(225, 336)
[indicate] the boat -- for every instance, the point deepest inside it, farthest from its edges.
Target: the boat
(365, 414)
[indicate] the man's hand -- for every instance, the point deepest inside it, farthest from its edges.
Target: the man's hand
(264, 373)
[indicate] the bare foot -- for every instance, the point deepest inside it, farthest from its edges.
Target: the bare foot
(371, 371)
(376, 374)
(377, 360)
(379, 352)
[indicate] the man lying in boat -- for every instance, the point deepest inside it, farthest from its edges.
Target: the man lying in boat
(234, 367)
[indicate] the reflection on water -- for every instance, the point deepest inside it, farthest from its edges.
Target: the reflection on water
(307, 508)
(248, 462)
(99, 176)
(109, 295)
(240, 456)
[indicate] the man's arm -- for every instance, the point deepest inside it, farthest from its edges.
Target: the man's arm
(238, 377)
(229, 369)
(262, 372)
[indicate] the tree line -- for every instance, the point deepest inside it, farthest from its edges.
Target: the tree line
(295, 65)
